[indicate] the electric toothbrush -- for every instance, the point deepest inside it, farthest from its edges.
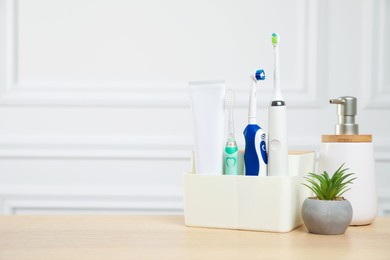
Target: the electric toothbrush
(231, 148)
(277, 123)
(255, 155)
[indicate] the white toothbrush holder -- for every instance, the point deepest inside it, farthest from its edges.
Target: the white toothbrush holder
(260, 203)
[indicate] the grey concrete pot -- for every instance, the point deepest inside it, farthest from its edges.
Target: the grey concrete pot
(326, 217)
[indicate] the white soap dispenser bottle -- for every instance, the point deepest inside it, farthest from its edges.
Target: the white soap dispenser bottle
(357, 152)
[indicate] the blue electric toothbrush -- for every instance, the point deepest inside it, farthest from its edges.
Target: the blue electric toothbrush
(255, 156)
(277, 123)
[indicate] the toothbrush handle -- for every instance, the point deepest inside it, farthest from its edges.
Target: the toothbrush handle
(231, 161)
(277, 141)
(255, 156)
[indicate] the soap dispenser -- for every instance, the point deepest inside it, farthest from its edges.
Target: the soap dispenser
(357, 152)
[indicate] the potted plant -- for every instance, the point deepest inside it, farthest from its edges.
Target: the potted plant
(328, 213)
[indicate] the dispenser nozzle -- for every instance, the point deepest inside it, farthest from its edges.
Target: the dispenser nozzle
(337, 101)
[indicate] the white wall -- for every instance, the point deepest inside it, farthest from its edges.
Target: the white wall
(94, 107)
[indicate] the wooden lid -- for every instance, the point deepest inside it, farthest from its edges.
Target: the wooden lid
(346, 138)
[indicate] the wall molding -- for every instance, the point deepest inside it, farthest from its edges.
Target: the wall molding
(132, 147)
(373, 49)
(84, 200)
(102, 147)
(122, 94)
(87, 200)
(384, 203)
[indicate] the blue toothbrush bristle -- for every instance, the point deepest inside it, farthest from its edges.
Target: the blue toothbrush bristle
(260, 75)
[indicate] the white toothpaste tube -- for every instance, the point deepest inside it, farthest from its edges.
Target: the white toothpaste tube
(207, 100)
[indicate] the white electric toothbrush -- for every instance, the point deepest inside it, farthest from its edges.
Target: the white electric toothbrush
(277, 123)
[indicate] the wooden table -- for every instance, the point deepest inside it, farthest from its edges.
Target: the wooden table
(166, 237)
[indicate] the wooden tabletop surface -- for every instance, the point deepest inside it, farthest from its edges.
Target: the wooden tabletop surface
(166, 237)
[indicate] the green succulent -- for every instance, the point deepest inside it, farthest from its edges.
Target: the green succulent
(329, 188)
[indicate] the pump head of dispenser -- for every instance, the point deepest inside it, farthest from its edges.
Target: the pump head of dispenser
(346, 110)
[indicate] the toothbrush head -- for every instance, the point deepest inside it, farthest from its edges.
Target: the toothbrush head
(275, 39)
(229, 98)
(259, 74)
